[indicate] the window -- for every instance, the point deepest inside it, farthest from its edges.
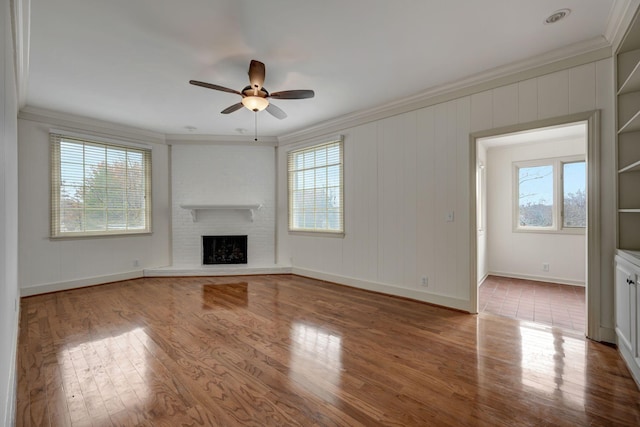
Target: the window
(550, 195)
(574, 195)
(99, 188)
(315, 188)
(535, 196)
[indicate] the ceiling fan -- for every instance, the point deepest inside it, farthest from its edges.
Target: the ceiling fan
(255, 97)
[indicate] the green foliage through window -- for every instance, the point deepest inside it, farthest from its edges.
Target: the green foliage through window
(99, 188)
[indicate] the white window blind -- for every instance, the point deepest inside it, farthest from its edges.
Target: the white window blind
(98, 188)
(316, 188)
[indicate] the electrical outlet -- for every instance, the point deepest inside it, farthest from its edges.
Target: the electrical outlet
(450, 216)
(136, 263)
(424, 282)
(545, 266)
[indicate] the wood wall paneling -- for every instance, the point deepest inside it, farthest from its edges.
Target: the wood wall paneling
(504, 99)
(439, 182)
(527, 101)
(553, 95)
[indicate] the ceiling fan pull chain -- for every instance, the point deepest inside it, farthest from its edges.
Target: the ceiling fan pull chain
(255, 138)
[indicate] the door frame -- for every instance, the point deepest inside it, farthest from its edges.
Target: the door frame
(592, 233)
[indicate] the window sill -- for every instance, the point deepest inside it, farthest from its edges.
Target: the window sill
(568, 231)
(316, 233)
(99, 236)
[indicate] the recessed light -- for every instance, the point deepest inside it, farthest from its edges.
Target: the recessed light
(241, 131)
(190, 128)
(557, 15)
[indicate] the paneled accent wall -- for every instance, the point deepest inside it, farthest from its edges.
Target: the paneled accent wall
(225, 175)
(404, 174)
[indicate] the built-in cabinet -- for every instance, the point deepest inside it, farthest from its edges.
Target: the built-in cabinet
(628, 126)
(627, 260)
(628, 309)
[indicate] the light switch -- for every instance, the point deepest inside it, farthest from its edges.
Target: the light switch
(450, 216)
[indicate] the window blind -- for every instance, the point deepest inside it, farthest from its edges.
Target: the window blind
(315, 183)
(98, 188)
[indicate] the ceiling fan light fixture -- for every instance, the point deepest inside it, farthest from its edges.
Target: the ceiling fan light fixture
(255, 103)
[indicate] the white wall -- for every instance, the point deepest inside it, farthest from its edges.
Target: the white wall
(521, 254)
(47, 265)
(8, 219)
(223, 174)
(403, 173)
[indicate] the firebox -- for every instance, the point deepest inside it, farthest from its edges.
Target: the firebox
(224, 250)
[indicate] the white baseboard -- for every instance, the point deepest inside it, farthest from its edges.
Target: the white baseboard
(550, 279)
(482, 279)
(432, 298)
(10, 404)
(217, 270)
(79, 283)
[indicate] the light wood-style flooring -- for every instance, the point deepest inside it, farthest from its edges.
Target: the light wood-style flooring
(285, 350)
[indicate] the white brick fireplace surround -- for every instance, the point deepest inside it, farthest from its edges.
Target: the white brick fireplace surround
(222, 190)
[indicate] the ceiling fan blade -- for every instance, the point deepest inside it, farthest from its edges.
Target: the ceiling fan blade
(276, 112)
(215, 87)
(256, 75)
(293, 94)
(231, 109)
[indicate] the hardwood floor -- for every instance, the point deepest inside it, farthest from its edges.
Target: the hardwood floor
(286, 350)
(551, 304)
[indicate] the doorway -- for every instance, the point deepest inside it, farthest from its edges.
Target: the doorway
(535, 209)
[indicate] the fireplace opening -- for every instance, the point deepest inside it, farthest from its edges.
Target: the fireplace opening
(224, 250)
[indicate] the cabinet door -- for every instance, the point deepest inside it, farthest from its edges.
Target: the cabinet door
(625, 301)
(635, 314)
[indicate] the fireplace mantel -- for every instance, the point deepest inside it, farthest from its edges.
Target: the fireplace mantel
(251, 208)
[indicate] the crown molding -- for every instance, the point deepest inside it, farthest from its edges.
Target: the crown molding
(73, 122)
(190, 139)
(20, 20)
(620, 18)
(567, 57)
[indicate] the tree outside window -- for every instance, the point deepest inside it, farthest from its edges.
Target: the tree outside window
(99, 188)
(551, 195)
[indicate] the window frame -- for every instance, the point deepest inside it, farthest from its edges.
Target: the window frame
(56, 137)
(557, 164)
(337, 140)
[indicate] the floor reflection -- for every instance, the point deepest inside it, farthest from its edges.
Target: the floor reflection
(225, 295)
(301, 352)
(544, 368)
(98, 373)
(316, 356)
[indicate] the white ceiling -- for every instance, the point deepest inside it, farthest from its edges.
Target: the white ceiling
(129, 62)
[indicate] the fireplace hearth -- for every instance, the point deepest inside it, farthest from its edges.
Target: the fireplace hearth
(224, 250)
